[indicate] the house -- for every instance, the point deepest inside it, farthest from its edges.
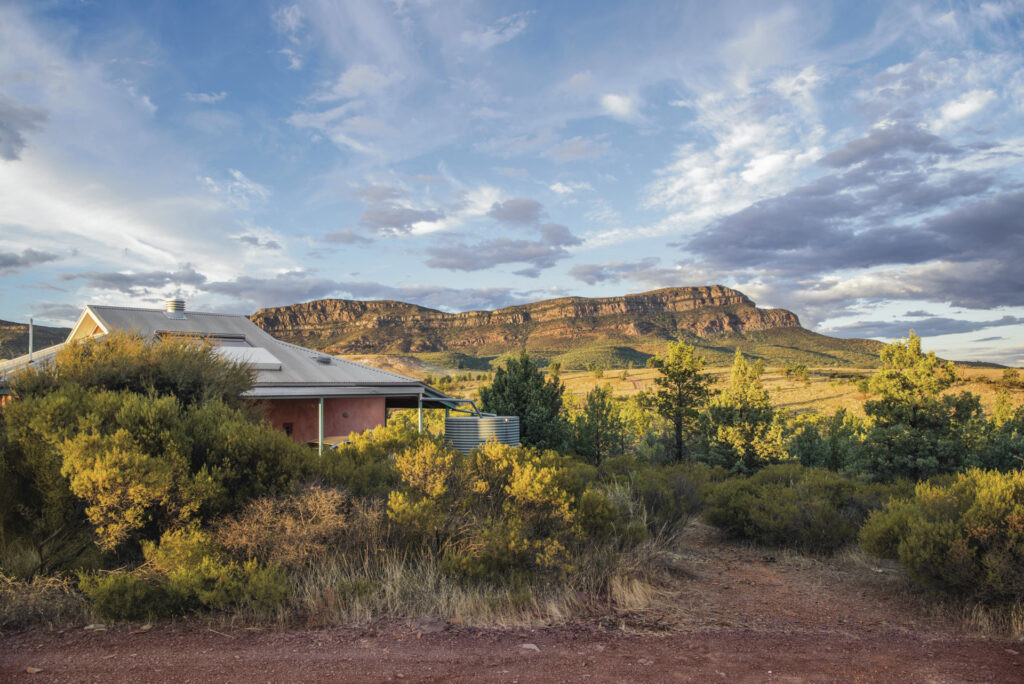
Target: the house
(307, 394)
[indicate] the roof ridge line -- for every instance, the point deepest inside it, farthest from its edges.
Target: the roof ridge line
(151, 310)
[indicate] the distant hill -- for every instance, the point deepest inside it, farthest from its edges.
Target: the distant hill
(14, 338)
(574, 331)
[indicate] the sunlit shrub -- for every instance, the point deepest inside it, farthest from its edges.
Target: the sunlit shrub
(186, 368)
(183, 573)
(964, 538)
(365, 466)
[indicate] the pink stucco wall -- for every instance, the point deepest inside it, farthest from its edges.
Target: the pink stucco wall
(341, 416)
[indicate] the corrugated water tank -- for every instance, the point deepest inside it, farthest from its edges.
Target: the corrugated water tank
(467, 432)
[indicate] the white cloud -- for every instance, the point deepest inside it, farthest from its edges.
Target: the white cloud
(206, 98)
(334, 124)
(579, 82)
(504, 30)
(578, 147)
(619, 106)
(295, 59)
(240, 190)
(767, 41)
(358, 80)
(288, 20)
(963, 107)
(561, 188)
(764, 166)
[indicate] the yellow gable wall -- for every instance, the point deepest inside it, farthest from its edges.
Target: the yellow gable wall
(87, 326)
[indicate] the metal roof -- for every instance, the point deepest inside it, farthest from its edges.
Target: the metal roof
(304, 373)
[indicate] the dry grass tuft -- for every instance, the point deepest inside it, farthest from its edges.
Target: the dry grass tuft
(303, 529)
(351, 585)
(49, 602)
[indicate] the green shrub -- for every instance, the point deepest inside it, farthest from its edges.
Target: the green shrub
(125, 596)
(184, 573)
(520, 389)
(792, 506)
(964, 538)
(598, 431)
(671, 494)
(743, 432)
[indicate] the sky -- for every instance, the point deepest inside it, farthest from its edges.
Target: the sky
(858, 163)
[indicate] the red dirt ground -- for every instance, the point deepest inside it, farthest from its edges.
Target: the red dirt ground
(737, 615)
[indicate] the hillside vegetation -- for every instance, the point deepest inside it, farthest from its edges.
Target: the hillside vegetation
(14, 338)
(574, 332)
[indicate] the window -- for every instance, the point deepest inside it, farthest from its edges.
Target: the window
(287, 429)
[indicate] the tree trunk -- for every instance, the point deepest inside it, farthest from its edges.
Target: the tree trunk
(678, 425)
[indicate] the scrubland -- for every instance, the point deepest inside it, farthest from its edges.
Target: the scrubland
(138, 488)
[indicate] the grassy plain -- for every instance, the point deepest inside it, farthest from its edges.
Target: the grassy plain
(827, 389)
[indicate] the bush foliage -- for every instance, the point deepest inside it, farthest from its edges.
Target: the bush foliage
(788, 505)
(964, 538)
(99, 457)
(141, 456)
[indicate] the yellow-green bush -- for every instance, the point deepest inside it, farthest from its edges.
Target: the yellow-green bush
(792, 506)
(365, 466)
(500, 510)
(184, 573)
(965, 537)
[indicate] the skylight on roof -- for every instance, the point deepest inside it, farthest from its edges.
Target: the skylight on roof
(257, 357)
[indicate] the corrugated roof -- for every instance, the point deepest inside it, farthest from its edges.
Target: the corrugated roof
(299, 366)
(304, 372)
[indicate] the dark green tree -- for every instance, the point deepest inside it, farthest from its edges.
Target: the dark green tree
(683, 392)
(519, 389)
(598, 431)
(917, 432)
(554, 369)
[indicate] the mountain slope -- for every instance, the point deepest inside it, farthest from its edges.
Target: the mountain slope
(575, 331)
(14, 338)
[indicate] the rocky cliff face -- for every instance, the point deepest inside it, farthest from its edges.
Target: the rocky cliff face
(344, 326)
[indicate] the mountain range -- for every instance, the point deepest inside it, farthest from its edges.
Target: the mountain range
(577, 332)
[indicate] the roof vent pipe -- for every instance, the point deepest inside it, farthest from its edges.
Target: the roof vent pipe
(175, 308)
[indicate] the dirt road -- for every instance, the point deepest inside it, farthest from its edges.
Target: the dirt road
(737, 615)
(394, 653)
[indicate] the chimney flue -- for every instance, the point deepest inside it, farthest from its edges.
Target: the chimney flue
(175, 308)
